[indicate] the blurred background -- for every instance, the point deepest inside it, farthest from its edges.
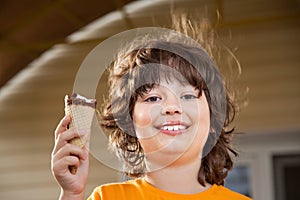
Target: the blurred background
(43, 43)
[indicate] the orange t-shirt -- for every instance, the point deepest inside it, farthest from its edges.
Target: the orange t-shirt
(139, 189)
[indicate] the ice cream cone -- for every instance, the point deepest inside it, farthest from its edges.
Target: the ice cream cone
(82, 111)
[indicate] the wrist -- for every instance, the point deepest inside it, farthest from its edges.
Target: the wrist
(64, 195)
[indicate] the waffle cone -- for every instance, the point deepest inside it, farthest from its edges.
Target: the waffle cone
(82, 117)
(81, 120)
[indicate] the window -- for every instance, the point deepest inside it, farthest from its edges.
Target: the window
(238, 180)
(286, 176)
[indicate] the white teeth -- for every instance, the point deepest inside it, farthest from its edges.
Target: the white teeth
(175, 127)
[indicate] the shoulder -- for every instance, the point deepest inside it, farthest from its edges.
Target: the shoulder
(229, 194)
(130, 184)
(116, 190)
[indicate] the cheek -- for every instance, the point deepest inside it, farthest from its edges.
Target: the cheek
(143, 118)
(150, 144)
(204, 124)
(201, 119)
(200, 116)
(204, 118)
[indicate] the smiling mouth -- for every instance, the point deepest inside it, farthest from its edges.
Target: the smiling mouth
(173, 129)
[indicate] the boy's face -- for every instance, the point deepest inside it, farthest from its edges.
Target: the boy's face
(172, 124)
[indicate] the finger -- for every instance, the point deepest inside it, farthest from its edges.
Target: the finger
(62, 166)
(70, 150)
(63, 125)
(64, 138)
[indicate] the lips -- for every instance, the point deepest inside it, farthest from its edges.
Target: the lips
(173, 128)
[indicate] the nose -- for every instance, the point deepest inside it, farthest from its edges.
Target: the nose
(171, 106)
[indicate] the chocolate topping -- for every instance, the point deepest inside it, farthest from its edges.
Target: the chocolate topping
(77, 99)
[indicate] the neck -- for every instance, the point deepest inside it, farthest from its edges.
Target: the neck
(178, 178)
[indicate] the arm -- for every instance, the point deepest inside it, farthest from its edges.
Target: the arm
(64, 155)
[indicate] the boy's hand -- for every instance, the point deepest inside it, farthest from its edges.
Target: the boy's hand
(64, 155)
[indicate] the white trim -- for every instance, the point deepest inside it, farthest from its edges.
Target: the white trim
(257, 151)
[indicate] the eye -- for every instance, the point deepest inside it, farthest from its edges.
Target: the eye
(188, 97)
(152, 99)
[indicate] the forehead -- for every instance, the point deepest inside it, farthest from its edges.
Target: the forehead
(172, 86)
(172, 83)
(156, 73)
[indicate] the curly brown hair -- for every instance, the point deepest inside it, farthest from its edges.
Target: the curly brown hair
(138, 70)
